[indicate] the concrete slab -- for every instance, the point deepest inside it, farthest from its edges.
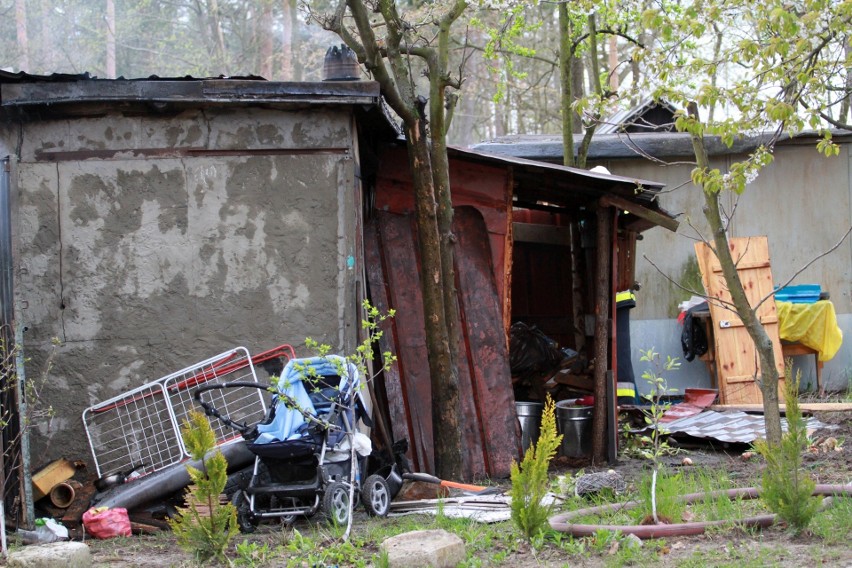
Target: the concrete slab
(422, 549)
(65, 554)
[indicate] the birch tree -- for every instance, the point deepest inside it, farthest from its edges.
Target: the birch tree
(785, 65)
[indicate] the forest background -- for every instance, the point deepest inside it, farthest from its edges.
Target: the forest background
(508, 51)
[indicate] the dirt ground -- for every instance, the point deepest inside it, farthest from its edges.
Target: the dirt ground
(728, 548)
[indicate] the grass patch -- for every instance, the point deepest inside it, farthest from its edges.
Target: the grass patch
(670, 489)
(834, 524)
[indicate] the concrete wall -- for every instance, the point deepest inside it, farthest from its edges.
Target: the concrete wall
(146, 244)
(802, 202)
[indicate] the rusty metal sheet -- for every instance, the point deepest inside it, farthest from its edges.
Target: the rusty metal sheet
(410, 391)
(496, 425)
(490, 432)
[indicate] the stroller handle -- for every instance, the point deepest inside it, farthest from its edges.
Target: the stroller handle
(210, 410)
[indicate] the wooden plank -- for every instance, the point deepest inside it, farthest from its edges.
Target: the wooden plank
(736, 358)
(404, 294)
(542, 234)
(650, 215)
(806, 406)
(735, 321)
(54, 473)
(717, 268)
(494, 426)
(395, 400)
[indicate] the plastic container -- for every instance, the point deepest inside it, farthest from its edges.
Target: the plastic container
(529, 415)
(575, 424)
(799, 293)
(46, 530)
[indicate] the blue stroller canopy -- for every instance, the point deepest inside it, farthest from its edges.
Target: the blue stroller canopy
(289, 422)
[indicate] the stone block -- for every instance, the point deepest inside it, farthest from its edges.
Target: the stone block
(65, 554)
(424, 549)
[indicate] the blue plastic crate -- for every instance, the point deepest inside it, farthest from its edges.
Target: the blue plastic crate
(799, 294)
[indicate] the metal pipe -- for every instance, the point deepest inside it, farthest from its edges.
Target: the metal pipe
(62, 495)
(21, 401)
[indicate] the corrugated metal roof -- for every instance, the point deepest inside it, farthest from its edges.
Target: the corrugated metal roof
(728, 426)
(661, 145)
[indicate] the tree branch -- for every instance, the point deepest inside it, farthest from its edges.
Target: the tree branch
(803, 268)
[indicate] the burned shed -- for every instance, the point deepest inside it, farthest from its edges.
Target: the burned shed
(536, 243)
(159, 222)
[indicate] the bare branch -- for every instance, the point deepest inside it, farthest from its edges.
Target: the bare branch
(710, 299)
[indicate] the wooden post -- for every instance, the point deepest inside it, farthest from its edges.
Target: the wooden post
(603, 256)
(612, 376)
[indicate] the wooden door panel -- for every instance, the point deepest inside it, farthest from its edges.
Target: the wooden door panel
(736, 360)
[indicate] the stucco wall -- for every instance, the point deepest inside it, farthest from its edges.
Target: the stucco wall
(205, 230)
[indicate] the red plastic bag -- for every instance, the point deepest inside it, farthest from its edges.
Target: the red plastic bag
(106, 523)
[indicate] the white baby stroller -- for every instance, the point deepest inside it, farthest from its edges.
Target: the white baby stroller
(303, 447)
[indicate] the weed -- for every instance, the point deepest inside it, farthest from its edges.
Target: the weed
(312, 552)
(834, 524)
(665, 491)
(603, 540)
(252, 554)
(530, 482)
(382, 560)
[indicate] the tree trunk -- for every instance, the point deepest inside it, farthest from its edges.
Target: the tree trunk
(265, 43)
(597, 88)
(218, 36)
(110, 39)
(445, 393)
(844, 106)
(399, 91)
(612, 64)
(566, 62)
(22, 36)
(287, 38)
(439, 107)
(768, 374)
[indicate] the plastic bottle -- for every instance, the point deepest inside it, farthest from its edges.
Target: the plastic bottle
(46, 530)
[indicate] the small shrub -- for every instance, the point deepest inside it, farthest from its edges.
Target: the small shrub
(654, 415)
(786, 489)
(205, 535)
(530, 482)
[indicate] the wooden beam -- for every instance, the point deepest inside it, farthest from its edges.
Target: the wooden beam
(655, 217)
(603, 242)
(543, 234)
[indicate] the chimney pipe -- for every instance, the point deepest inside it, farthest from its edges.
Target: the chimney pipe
(340, 64)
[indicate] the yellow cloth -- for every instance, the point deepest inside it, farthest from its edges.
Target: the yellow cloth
(813, 325)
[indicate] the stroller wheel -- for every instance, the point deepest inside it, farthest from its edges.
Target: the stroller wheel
(377, 496)
(245, 520)
(335, 503)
